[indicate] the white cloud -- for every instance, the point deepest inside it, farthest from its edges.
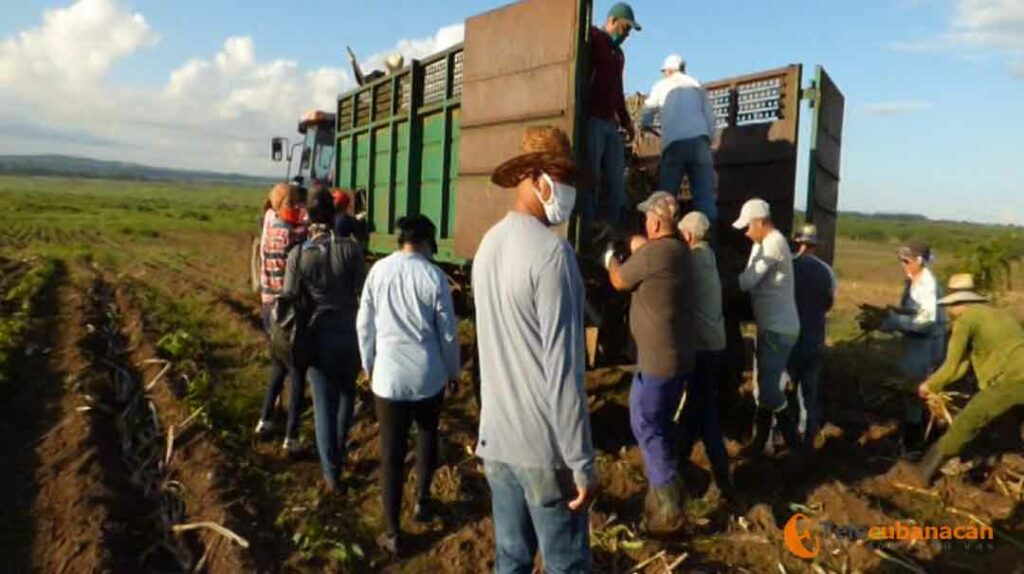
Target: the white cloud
(986, 26)
(215, 112)
(990, 23)
(890, 108)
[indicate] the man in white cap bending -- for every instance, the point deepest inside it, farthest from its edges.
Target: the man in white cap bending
(687, 128)
(769, 280)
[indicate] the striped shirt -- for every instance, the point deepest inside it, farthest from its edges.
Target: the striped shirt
(277, 239)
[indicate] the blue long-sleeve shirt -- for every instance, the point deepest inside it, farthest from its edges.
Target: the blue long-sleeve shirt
(406, 326)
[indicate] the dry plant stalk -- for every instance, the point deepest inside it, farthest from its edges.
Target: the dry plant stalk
(941, 407)
(640, 567)
(179, 528)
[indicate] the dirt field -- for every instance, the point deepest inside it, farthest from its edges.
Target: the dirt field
(133, 365)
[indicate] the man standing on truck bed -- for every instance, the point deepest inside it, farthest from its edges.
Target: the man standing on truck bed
(687, 128)
(606, 155)
(534, 425)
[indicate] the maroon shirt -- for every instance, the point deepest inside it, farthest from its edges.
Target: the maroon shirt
(607, 101)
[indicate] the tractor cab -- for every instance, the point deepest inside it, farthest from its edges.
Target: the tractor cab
(315, 146)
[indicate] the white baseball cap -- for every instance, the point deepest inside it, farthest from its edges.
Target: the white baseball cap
(756, 208)
(673, 62)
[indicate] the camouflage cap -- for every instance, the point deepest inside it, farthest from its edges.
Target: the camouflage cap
(662, 204)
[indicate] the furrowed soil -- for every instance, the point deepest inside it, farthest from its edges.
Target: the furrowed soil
(147, 335)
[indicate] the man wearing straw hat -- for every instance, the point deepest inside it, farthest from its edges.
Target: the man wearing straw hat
(534, 425)
(990, 342)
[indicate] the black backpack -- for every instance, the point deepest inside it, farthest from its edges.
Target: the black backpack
(290, 337)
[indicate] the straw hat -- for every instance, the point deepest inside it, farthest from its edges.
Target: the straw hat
(544, 148)
(961, 290)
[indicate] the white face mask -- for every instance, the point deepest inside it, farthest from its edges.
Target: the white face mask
(559, 206)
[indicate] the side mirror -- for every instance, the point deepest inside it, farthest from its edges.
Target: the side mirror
(307, 154)
(277, 149)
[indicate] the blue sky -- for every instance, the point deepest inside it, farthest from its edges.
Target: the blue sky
(933, 87)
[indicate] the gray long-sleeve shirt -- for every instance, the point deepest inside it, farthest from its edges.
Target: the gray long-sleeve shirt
(769, 280)
(529, 320)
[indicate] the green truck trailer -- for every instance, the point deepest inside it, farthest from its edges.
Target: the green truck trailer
(426, 138)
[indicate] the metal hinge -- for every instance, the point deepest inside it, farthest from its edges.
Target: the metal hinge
(811, 93)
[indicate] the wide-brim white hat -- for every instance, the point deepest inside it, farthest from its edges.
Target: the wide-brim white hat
(962, 297)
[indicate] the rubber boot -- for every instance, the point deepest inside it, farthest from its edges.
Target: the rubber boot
(723, 480)
(663, 508)
(930, 465)
(762, 428)
(912, 440)
(787, 428)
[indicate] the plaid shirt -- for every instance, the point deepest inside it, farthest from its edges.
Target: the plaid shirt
(278, 237)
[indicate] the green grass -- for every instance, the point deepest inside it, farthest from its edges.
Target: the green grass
(68, 216)
(989, 252)
(18, 307)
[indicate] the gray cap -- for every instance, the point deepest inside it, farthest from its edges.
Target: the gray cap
(696, 223)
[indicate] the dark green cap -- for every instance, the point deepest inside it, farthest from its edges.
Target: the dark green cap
(623, 11)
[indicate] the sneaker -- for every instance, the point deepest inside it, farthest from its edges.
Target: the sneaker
(264, 428)
(292, 446)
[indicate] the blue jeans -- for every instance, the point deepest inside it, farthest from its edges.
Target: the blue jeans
(691, 157)
(332, 375)
(606, 158)
(700, 413)
(652, 404)
(773, 350)
(805, 371)
(279, 371)
(530, 507)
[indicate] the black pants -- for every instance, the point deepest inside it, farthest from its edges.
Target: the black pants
(700, 415)
(395, 418)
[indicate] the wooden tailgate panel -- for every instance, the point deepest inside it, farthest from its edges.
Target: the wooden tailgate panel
(823, 170)
(519, 70)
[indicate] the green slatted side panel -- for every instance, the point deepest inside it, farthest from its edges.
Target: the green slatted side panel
(432, 176)
(346, 154)
(453, 172)
(401, 146)
(362, 179)
(382, 143)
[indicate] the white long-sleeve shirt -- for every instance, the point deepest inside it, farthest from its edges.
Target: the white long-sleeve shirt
(919, 305)
(685, 108)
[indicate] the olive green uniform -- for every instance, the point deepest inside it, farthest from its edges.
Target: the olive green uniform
(992, 342)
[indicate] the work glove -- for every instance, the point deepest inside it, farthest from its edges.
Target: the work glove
(617, 250)
(890, 323)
